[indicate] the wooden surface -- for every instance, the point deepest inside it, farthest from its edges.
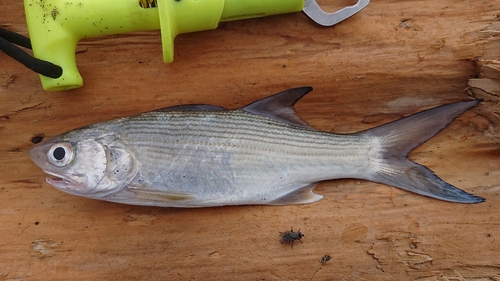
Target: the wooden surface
(392, 59)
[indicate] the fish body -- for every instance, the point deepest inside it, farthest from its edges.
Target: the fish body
(200, 156)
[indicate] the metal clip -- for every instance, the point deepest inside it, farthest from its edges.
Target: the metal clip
(314, 11)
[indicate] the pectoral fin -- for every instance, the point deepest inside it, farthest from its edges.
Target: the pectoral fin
(161, 196)
(302, 195)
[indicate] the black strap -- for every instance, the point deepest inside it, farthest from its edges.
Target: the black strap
(15, 38)
(7, 41)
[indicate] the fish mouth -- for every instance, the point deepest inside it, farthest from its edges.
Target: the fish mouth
(64, 183)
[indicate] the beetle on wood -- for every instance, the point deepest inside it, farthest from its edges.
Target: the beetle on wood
(325, 258)
(291, 236)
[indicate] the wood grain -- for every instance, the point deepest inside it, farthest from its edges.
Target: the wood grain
(392, 59)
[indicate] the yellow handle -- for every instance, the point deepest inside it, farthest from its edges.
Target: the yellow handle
(245, 9)
(56, 26)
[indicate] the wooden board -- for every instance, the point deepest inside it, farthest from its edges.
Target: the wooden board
(392, 59)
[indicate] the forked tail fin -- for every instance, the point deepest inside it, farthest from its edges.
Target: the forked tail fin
(396, 139)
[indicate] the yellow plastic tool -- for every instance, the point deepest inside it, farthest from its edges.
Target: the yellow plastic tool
(56, 26)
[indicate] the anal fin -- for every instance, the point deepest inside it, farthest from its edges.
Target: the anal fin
(302, 195)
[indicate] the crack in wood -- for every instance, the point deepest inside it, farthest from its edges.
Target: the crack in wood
(398, 252)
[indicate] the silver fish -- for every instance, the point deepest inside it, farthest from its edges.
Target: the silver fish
(200, 156)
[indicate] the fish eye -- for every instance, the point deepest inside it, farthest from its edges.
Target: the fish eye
(61, 154)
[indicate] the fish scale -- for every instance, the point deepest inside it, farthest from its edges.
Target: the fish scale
(307, 155)
(279, 138)
(293, 138)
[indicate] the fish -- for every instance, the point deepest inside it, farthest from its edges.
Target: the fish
(260, 154)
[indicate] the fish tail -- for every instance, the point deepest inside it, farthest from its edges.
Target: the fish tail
(396, 139)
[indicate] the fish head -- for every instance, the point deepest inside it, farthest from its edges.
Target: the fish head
(91, 167)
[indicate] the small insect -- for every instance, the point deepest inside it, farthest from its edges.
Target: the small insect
(290, 236)
(325, 258)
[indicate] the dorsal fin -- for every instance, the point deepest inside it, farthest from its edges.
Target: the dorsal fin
(190, 107)
(280, 106)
